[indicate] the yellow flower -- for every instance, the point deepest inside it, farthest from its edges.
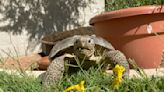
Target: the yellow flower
(116, 82)
(79, 87)
(118, 71)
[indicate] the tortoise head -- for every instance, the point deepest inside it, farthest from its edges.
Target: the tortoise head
(84, 47)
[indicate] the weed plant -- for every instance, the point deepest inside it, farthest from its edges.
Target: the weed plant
(95, 81)
(120, 4)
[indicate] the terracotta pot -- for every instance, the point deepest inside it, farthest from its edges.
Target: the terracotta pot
(43, 63)
(132, 31)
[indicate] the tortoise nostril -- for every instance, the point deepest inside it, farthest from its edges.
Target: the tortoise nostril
(77, 41)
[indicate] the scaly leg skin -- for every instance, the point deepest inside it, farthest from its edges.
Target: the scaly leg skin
(116, 57)
(54, 72)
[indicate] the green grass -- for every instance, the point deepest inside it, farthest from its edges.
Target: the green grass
(112, 5)
(95, 81)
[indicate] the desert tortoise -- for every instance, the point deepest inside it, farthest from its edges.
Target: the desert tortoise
(81, 47)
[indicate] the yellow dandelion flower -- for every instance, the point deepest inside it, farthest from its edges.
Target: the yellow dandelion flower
(116, 82)
(118, 71)
(79, 87)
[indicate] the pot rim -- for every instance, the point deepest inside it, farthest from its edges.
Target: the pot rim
(127, 12)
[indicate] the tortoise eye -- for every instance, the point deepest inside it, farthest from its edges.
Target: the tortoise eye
(89, 41)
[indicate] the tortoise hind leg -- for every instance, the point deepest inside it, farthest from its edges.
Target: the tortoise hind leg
(54, 72)
(116, 57)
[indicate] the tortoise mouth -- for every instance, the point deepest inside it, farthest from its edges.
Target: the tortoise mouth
(82, 48)
(84, 52)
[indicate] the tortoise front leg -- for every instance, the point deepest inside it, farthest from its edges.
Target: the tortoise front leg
(116, 57)
(54, 72)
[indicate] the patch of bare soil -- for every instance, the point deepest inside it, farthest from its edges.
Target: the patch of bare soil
(23, 62)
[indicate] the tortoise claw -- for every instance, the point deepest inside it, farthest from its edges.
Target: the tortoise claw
(117, 57)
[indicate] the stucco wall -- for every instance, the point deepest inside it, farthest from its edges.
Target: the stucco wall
(23, 24)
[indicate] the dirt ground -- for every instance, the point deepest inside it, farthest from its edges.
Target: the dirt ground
(24, 62)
